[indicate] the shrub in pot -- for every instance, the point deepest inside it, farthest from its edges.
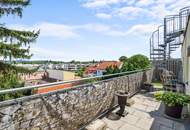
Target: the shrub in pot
(174, 102)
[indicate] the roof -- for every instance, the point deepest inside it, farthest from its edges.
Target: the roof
(55, 87)
(102, 66)
(105, 64)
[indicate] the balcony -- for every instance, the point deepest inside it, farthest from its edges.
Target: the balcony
(77, 107)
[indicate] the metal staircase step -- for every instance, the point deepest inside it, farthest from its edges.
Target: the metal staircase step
(158, 58)
(168, 40)
(158, 50)
(174, 48)
(157, 53)
(162, 45)
(176, 44)
(174, 34)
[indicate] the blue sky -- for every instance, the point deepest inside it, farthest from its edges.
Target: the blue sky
(93, 29)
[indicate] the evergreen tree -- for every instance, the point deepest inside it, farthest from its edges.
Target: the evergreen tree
(14, 44)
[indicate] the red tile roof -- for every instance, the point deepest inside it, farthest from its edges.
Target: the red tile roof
(102, 66)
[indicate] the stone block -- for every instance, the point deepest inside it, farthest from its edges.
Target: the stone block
(97, 125)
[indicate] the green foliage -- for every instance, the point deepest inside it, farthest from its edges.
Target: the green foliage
(13, 7)
(136, 62)
(123, 58)
(80, 72)
(173, 98)
(13, 44)
(112, 70)
(16, 44)
(9, 79)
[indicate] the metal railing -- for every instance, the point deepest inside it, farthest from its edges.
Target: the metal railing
(99, 78)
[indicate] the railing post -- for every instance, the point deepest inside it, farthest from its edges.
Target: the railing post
(165, 33)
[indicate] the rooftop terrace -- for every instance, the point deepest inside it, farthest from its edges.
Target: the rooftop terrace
(79, 107)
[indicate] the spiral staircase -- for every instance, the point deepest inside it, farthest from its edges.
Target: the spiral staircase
(168, 37)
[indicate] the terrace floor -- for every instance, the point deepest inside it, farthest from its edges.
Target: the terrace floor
(146, 114)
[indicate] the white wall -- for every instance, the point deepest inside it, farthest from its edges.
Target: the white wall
(185, 58)
(56, 74)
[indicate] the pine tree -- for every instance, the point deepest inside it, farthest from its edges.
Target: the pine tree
(14, 44)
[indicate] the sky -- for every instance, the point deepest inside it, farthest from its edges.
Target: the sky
(93, 29)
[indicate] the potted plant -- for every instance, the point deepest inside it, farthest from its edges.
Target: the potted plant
(174, 102)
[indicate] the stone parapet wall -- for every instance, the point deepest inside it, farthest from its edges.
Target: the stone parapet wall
(67, 110)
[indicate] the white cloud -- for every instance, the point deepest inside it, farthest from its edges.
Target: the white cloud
(99, 3)
(142, 29)
(57, 30)
(103, 16)
(60, 31)
(131, 2)
(130, 12)
(178, 4)
(144, 2)
(149, 9)
(102, 29)
(63, 31)
(45, 53)
(94, 27)
(139, 29)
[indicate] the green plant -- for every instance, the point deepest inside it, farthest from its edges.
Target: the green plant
(112, 70)
(80, 72)
(136, 62)
(123, 58)
(173, 98)
(14, 44)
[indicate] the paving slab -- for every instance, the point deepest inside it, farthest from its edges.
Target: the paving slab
(145, 114)
(162, 127)
(145, 123)
(179, 126)
(130, 119)
(129, 127)
(140, 106)
(165, 122)
(114, 125)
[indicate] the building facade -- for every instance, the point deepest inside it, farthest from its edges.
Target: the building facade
(185, 51)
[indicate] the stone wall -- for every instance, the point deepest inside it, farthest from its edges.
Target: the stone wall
(67, 109)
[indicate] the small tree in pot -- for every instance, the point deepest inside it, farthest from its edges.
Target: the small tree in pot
(174, 102)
